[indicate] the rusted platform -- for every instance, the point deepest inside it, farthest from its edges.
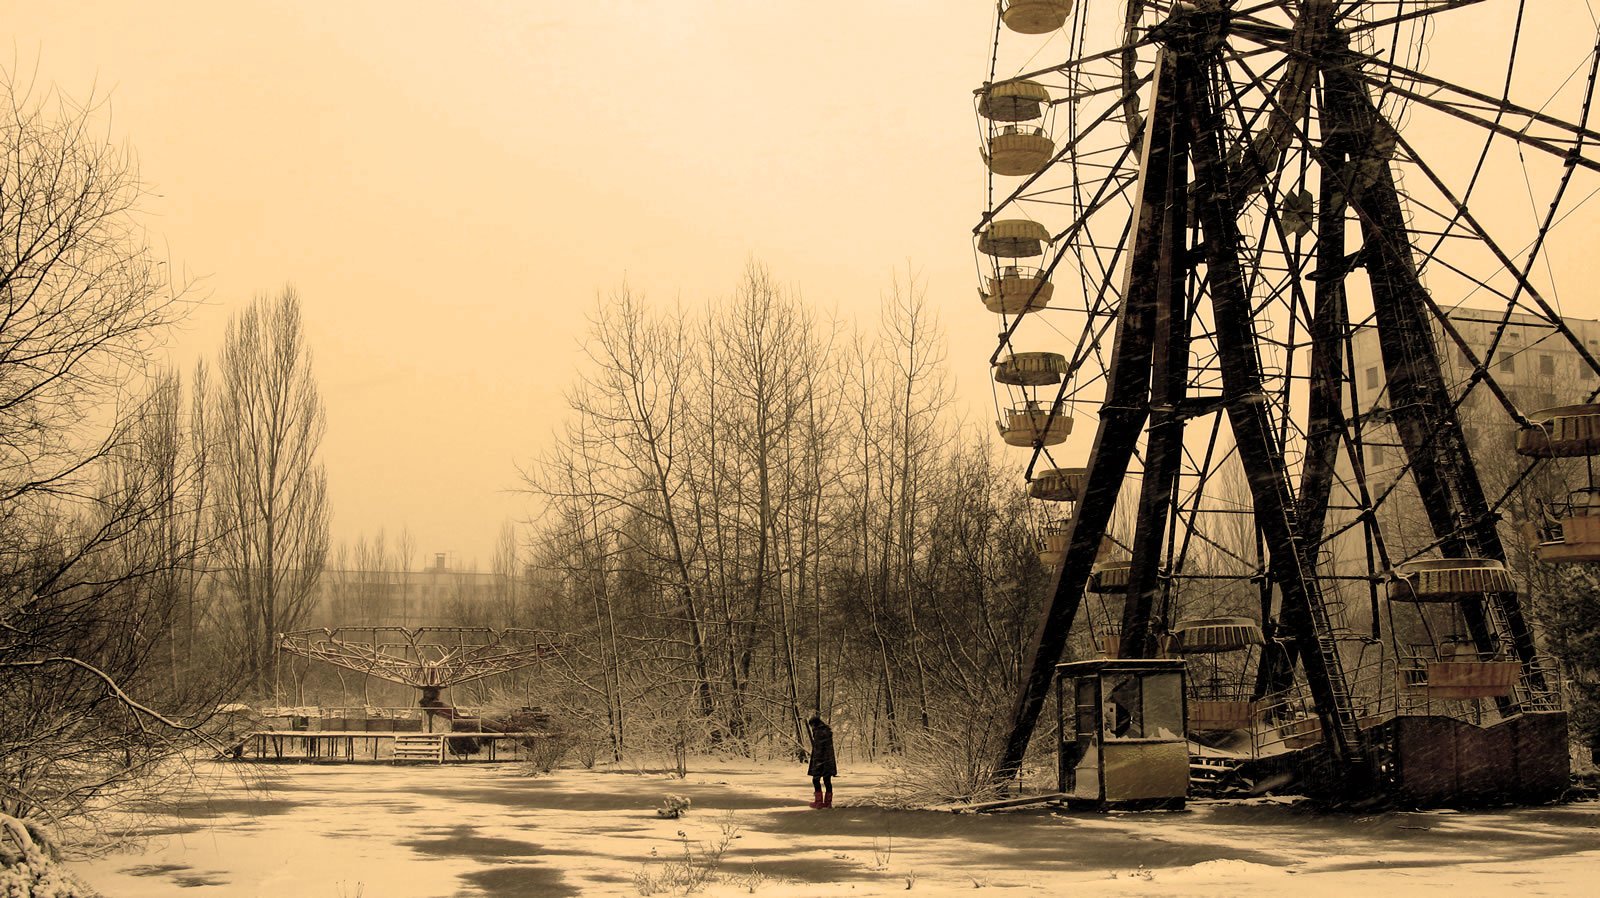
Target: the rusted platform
(364, 747)
(1433, 760)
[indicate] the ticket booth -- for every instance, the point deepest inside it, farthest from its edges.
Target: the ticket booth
(1123, 743)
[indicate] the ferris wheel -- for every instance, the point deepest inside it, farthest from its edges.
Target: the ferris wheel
(1203, 222)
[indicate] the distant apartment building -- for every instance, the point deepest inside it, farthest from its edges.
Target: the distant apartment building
(1536, 366)
(436, 595)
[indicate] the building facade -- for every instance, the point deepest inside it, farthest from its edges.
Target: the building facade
(1534, 365)
(431, 597)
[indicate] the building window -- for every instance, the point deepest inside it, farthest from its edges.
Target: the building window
(1374, 456)
(1547, 364)
(1461, 358)
(1372, 378)
(1508, 364)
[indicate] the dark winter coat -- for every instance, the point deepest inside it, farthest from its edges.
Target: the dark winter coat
(822, 762)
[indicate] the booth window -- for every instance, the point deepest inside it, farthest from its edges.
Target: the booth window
(1124, 711)
(1163, 706)
(1084, 699)
(1143, 707)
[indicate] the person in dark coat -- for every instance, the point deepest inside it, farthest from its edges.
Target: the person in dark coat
(823, 767)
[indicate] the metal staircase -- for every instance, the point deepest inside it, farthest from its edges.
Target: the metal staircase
(1534, 690)
(1343, 712)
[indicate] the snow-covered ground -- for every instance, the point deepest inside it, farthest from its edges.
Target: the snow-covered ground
(429, 832)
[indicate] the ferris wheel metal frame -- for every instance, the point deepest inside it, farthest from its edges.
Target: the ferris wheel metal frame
(1272, 156)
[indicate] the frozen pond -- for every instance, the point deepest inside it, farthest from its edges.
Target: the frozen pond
(426, 832)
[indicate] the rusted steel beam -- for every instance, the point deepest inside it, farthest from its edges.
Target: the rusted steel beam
(1435, 448)
(1121, 421)
(1163, 455)
(1290, 562)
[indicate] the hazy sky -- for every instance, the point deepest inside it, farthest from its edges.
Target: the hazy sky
(449, 186)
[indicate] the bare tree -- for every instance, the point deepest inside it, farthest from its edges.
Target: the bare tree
(576, 548)
(632, 432)
(405, 549)
(506, 565)
(869, 501)
(92, 477)
(339, 584)
(740, 500)
(172, 456)
(915, 355)
(272, 503)
(371, 576)
(761, 339)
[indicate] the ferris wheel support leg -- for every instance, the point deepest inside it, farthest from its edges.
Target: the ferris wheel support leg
(1326, 420)
(1122, 420)
(1436, 449)
(1329, 329)
(1291, 559)
(1168, 282)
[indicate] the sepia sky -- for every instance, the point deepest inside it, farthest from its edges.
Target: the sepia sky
(450, 185)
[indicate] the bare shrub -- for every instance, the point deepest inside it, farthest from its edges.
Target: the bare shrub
(697, 865)
(545, 753)
(941, 766)
(588, 752)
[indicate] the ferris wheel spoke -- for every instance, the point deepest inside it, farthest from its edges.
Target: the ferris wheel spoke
(1460, 211)
(1202, 471)
(1524, 285)
(1426, 9)
(1088, 345)
(1480, 284)
(1481, 102)
(1076, 95)
(1100, 296)
(1260, 153)
(1080, 62)
(1104, 267)
(1566, 145)
(1100, 302)
(1564, 148)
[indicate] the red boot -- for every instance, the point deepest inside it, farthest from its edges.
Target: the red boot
(827, 800)
(816, 801)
